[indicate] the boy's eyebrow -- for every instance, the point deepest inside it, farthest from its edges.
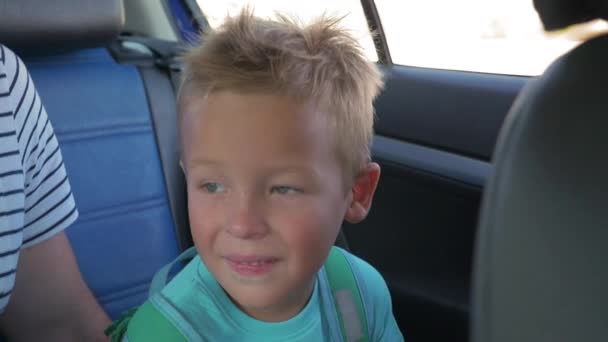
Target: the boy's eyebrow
(295, 170)
(274, 170)
(204, 162)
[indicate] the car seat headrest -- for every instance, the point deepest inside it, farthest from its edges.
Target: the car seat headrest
(47, 26)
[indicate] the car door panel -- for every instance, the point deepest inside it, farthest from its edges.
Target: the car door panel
(450, 110)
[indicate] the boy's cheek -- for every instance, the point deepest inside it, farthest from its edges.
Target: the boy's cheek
(307, 227)
(204, 220)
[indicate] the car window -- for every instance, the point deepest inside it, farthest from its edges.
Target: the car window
(354, 19)
(495, 36)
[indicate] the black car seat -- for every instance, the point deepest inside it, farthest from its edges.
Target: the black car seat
(541, 269)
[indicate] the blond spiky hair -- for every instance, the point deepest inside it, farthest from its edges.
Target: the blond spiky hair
(319, 62)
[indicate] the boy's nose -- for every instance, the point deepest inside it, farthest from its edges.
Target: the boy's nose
(247, 223)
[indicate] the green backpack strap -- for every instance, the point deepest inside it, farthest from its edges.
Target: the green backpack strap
(145, 324)
(157, 327)
(347, 297)
(118, 328)
(149, 324)
(160, 278)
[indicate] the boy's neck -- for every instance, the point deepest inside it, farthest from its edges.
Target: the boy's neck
(279, 313)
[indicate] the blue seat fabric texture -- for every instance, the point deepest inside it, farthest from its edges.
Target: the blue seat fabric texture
(102, 120)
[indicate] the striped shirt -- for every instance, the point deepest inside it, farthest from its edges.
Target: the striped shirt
(35, 197)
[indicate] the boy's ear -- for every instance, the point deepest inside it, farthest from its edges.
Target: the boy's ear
(362, 193)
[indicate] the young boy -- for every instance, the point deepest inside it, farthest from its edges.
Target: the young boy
(276, 122)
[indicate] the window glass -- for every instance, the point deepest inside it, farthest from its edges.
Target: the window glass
(215, 12)
(495, 36)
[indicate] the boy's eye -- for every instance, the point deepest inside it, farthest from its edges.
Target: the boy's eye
(212, 188)
(284, 190)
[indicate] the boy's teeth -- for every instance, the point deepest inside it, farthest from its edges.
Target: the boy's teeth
(253, 263)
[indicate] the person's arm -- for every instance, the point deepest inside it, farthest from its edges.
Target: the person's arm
(50, 301)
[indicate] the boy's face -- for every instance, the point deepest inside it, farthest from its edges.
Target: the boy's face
(266, 197)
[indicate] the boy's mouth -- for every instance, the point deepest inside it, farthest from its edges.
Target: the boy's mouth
(250, 266)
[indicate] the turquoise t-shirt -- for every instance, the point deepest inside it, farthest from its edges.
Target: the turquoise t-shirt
(218, 319)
